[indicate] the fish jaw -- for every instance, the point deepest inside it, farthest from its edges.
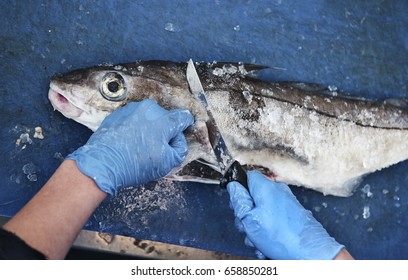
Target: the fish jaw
(62, 102)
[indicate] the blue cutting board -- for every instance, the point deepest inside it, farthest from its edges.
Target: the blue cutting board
(358, 46)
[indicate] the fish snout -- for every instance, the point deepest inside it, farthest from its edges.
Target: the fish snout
(62, 104)
(73, 77)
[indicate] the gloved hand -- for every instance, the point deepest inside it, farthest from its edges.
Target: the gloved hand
(135, 144)
(276, 223)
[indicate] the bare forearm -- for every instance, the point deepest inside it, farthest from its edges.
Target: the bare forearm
(53, 218)
(344, 255)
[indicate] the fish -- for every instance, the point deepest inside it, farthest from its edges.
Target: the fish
(302, 134)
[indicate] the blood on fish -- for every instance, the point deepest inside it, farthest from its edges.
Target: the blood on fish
(62, 99)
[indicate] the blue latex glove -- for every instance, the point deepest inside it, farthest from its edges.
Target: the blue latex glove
(276, 223)
(135, 144)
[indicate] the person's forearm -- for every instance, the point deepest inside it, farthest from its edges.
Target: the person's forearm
(51, 221)
(344, 255)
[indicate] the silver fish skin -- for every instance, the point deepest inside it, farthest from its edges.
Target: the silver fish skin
(297, 133)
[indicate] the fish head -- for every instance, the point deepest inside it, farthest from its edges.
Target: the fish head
(88, 95)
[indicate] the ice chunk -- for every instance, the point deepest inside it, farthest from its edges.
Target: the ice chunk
(32, 177)
(332, 88)
(29, 168)
(366, 190)
(171, 27)
(38, 133)
(16, 178)
(58, 156)
(366, 212)
(25, 138)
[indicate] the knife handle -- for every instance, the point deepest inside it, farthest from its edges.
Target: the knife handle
(235, 173)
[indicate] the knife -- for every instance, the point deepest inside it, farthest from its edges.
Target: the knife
(231, 169)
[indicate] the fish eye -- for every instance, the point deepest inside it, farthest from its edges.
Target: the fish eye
(113, 87)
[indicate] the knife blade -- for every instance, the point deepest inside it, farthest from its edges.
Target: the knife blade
(230, 168)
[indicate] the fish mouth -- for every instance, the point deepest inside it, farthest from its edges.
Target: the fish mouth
(62, 104)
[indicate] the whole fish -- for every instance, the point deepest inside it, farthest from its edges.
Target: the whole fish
(298, 133)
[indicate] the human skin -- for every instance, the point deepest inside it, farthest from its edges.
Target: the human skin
(53, 218)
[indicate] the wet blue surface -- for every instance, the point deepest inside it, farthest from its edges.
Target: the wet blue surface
(361, 47)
